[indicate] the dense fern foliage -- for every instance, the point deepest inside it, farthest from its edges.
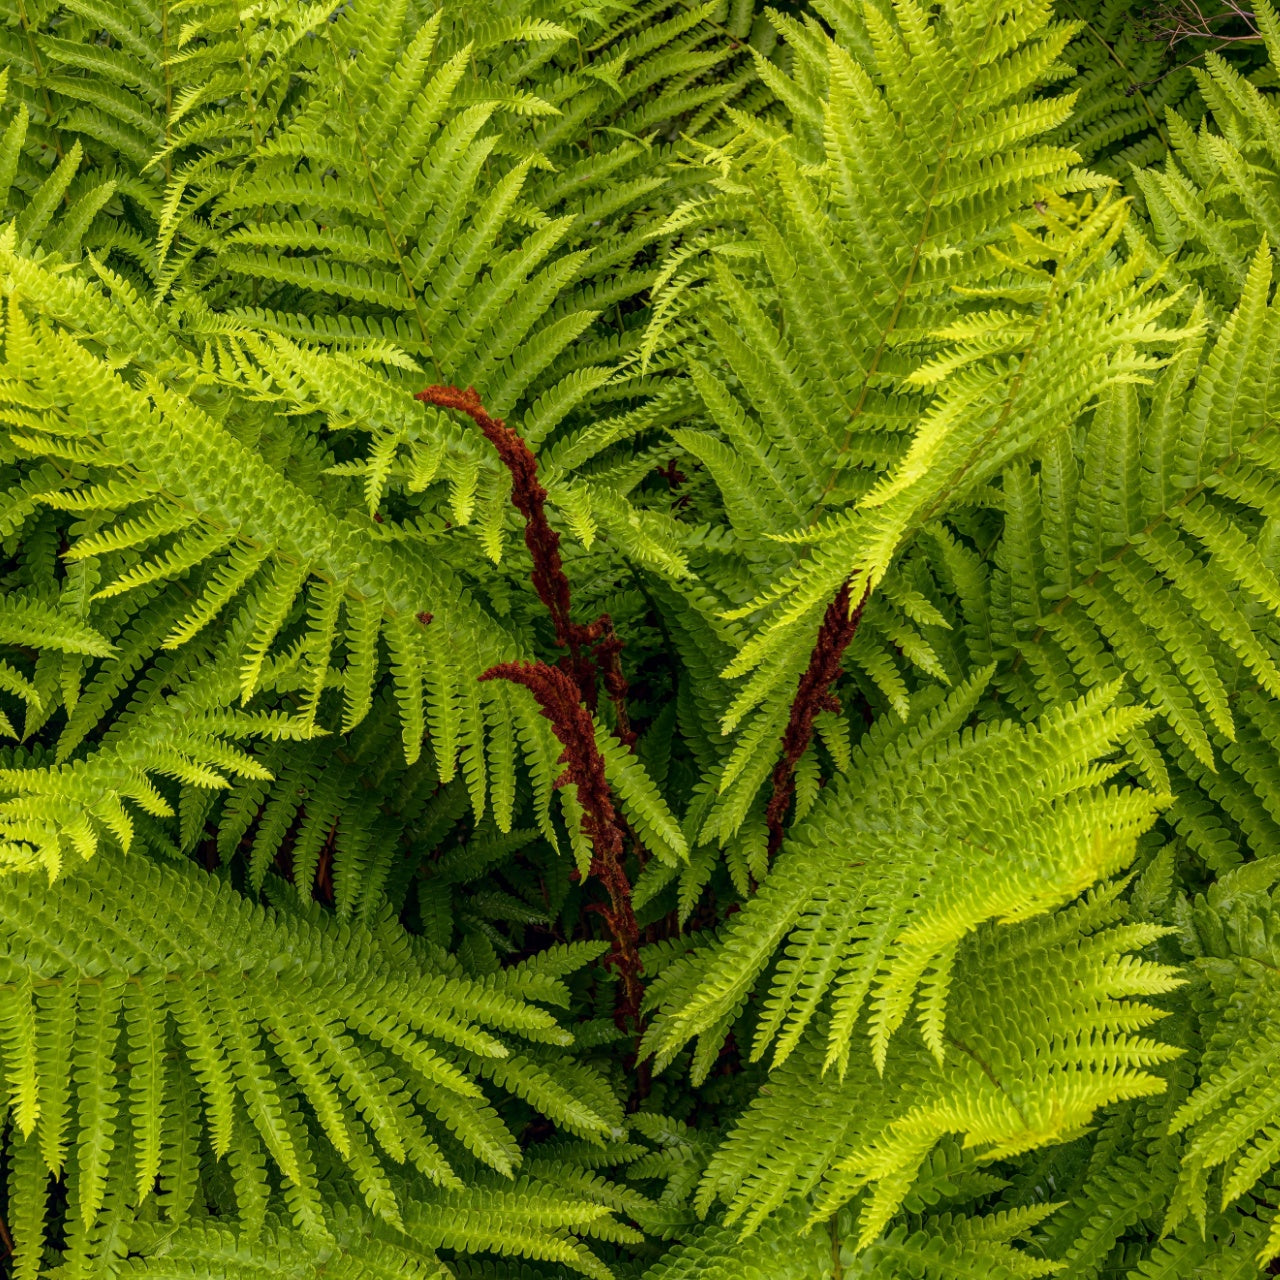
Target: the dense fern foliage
(639, 639)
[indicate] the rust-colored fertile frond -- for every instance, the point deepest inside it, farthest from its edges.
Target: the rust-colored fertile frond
(558, 700)
(529, 498)
(608, 654)
(592, 646)
(813, 694)
(566, 693)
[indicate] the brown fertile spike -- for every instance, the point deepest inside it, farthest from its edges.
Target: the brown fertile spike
(591, 647)
(609, 655)
(813, 694)
(558, 701)
(566, 693)
(530, 499)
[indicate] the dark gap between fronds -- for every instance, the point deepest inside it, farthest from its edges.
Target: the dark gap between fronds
(593, 647)
(813, 694)
(558, 700)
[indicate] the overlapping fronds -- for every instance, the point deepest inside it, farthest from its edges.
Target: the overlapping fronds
(1212, 200)
(1142, 548)
(1128, 78)
(1228, 1117)
(888, 892)
(212, 1029)
(526, 1220)
(1005, 1080)
(638, 638)
(908, 301)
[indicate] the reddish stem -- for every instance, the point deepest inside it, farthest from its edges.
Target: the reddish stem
(566, 693)
(813, 694)
(558, 700)
(593, 646)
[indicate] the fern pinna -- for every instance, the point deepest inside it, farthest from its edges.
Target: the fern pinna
(639, 639)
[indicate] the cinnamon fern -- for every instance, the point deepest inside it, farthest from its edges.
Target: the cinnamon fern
(639, 639)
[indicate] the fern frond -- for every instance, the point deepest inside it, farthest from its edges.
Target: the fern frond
(882, 918)
(1001, 1084)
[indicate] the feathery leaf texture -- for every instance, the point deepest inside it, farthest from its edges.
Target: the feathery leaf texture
(639, 638)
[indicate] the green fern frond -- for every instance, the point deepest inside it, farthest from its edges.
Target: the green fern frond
(1000, 1085)
(875, 929)
(199, 995)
